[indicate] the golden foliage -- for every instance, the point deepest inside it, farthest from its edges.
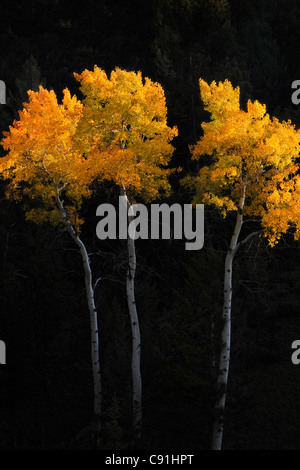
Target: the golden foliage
(120, 133)
(249, 149)
(124, 129)
(42, 156)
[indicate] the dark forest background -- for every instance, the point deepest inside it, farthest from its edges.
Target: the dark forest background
(46, 385)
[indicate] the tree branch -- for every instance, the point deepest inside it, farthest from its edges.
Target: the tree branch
(243, 242)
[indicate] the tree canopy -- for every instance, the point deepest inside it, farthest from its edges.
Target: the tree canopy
(251, 152)
(124, 130)
(43, 157)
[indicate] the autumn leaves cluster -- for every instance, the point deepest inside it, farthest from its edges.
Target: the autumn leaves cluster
(251, 154)
(119, 133)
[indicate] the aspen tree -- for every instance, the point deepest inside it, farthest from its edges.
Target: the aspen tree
(43, 164)
(253, 174)
(124, 132)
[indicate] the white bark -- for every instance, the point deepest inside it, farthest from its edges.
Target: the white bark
(222, 378)
(135, 329)
(97, 408)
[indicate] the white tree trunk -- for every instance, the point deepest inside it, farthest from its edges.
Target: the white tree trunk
(135, 328)
(222, 378)
(97, 408)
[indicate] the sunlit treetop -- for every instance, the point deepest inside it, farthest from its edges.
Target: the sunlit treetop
(120, 134)
(250, 152)
(124, 129)
(43, 158)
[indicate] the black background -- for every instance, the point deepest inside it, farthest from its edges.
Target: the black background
(46, 385)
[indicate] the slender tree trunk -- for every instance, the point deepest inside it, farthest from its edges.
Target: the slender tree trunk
(222, 378)
(97, 409)
(135, 328)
